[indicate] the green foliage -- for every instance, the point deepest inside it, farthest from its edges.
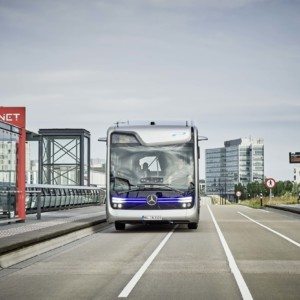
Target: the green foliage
(254, 189)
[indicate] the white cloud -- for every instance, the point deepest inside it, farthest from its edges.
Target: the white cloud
(231, 66)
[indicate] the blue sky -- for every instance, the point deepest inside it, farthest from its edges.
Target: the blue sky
(231, 66)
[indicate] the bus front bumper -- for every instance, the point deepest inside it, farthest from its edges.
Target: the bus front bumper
(149, 216)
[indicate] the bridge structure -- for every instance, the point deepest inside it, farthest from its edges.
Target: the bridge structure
(63, 169)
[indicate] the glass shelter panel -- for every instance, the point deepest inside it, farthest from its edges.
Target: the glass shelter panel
(65, 156)
(8, 169)
(61, 160)
(86, 161)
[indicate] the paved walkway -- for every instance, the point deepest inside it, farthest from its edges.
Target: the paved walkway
(52, 224)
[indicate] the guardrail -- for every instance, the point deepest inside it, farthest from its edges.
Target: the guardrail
(7, 203)
(55, 197)
(41, 197)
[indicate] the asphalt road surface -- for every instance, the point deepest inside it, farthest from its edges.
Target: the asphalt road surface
(236, 252)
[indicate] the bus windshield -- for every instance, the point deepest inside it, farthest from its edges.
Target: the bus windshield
(136, 167)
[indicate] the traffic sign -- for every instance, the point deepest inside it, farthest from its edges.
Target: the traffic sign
(238, 193)
(295, 158)
(270, 183)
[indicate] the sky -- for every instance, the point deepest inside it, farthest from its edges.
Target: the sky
(230, 66)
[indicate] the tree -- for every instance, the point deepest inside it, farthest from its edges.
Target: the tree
(255, 188)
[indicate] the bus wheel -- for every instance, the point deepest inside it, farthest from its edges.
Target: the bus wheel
(192, 225)
(119, 226)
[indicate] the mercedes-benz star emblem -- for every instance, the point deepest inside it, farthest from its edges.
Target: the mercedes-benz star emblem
(151, 200)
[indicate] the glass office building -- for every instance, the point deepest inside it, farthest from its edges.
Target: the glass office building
(239, 161)
(215, 168)
(9, 140)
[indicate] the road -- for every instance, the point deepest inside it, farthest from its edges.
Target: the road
(190, 264)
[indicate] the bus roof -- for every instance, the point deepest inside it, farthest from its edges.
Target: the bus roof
(153, 123)
(152, 135)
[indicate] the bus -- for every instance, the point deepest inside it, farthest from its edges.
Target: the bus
(152, 174)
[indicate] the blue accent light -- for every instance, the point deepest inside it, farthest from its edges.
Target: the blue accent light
(143, 200)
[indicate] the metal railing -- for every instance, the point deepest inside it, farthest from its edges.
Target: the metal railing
(55, 197)
(7, 203)
(42, 197)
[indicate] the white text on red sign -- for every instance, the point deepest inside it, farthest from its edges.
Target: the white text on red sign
(10, 117)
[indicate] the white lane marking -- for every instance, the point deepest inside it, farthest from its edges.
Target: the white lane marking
(272, 230)
(262, 210)
(134, 280)
(232, 264)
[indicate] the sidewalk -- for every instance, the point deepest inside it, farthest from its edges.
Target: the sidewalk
(52, 224)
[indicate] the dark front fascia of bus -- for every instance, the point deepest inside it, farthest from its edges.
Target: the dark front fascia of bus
(152, 200)
(150, 193)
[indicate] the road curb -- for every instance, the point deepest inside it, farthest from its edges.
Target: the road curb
(20, 251)
(285, 208)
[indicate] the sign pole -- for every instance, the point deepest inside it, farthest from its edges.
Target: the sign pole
(238, 195)
(270, 183)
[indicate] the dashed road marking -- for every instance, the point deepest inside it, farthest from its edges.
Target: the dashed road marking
(232, 264)
(272, 230)
(134, 280)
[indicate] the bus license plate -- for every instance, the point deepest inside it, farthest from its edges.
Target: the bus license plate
(152, 218)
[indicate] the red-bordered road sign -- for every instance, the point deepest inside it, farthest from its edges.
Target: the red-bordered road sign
(238, 193)
(270, 183)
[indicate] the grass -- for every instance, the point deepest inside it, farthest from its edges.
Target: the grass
(255, 202)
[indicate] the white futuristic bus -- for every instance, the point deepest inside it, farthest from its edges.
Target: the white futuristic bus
(152, 174)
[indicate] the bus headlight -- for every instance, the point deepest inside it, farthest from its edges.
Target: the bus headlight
(117, 200)
(185, 200)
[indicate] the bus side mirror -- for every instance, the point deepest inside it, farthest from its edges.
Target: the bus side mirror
(102, 139)
(202, 138)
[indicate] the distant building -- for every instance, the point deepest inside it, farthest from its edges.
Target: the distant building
(202, 186)
(239, 161)
(32, 174)
(8, 158)
(97, 173)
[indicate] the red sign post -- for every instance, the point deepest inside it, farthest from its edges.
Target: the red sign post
(17, 116)
(270, 183)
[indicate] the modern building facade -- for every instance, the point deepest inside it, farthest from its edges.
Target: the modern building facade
(97, 173)
(12, 162)
(239, 161)
(9, 156)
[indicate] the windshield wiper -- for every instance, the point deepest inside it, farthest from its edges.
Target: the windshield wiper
(163, 185)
